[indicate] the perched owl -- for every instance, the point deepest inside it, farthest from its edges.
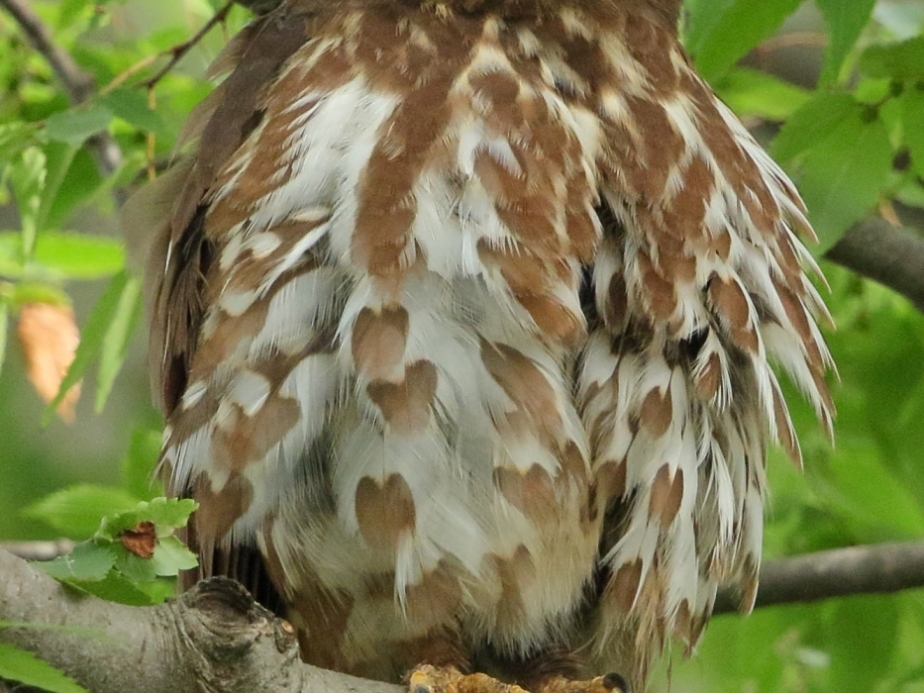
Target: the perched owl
(464, 317)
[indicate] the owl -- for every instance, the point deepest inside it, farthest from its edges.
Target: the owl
(465, 315)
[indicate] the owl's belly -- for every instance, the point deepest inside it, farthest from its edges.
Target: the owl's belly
(447, 498)
(400, 591)
(383, 391)
(409, 457)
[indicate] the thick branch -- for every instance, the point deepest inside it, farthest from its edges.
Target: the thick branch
(880, 568)
(891, 256)
(216, 639)
(213, 639)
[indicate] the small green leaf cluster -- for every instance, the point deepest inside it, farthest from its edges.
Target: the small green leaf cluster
(106, 565)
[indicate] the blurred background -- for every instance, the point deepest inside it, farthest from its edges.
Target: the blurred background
(767, 58)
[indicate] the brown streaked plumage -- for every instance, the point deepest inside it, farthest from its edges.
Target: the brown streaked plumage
(463, 321)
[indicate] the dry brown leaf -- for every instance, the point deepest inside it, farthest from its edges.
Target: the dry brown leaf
(49, 338)
(141, 540)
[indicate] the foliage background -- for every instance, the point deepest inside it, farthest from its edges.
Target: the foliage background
(845, 77)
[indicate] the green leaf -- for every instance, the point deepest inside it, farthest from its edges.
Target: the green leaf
(116, 587)
(59, 158)
(719, 32)
(69, 11)
(870, 499)
(756, 93)
(104, 565)
(38, 292)
(167, 514)
(172, 556)
(88, 561)
(78, 124)
(158, 591)
(904, 60)
(810, 123)
(26, 668)
(752, 658)
(117, 338)
(92, 336)
(27, 176)
(80, 256)
(873, 90)
(912, 101)
(841, 157)
(135, 568)
(77, 510)
(845, 20)
(842, 178)
(78, 183)
(12, 264)
(72, 255)
(132, 106)
(138, 463)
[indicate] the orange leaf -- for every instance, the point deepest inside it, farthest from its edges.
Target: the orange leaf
(49, 338)
(140, 540)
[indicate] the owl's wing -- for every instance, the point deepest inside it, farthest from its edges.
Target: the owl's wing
(698, 288)
(178, 254)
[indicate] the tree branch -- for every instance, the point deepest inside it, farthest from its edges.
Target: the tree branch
(876, 569)
(891, 256)
(181, 49)
(214, 638)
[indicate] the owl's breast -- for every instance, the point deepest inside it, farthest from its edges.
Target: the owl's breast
(382, 393)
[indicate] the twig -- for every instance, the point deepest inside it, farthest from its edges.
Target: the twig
(131, 71)
(891, 256)
(875, 569)
(178, 51)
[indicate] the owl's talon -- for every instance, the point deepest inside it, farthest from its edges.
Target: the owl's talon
(430, 679)
(610, 683)
(616, 682)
